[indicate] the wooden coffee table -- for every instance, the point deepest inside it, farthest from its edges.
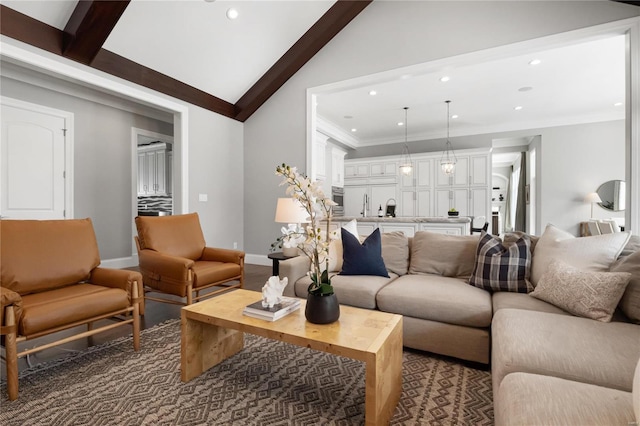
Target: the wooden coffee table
(212, 331)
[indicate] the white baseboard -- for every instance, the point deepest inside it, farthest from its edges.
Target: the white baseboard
(127, 262)
(257, 259)
(120, 262)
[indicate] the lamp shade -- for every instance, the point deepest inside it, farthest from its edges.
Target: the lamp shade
(289, 210)
(592, 197)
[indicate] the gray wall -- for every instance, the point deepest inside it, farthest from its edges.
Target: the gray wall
(102, 159)
(388, 35)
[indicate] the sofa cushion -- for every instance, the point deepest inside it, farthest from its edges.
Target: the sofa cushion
(507, 300)
(395, 252)
(437, 298)
(579, 349)
(441, 254)
(206, 272)
(62, 306)
(594, 253)
(636, 391)
(178, 235)
(630, 302)
(501, 267)
(353, 290)
(532, 399)
(587, 294)
(365, 258)
(39, 255)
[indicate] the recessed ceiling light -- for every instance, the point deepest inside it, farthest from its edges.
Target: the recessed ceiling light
(535, 62)
(617, 104)
(373, 92)
(518, 108)
(454, 116)
(400, 123)
(525, 89)
(232, 13)
(445, 78)
(354, 130)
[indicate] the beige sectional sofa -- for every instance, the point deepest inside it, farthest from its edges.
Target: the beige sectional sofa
(546, 363)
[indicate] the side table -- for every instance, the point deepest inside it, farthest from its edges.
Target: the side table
(277, 257)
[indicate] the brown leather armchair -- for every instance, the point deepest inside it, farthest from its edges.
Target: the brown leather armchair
(50, 281)
(174, 259)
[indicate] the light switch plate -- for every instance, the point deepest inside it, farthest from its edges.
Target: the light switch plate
(203, 197)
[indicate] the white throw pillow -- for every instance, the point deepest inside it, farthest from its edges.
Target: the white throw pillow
(352, 227)
(594, 253)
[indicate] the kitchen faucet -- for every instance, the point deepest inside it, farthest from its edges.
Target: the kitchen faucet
(365, 205)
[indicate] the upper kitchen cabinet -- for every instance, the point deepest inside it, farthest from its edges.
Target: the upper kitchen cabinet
(337, 167)
(154, 169)
(319, 166)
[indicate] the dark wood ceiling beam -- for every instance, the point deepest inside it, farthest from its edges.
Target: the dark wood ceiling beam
(633, 3)
(330, 24)
(88, 28)
(31, 31)
(131, 71)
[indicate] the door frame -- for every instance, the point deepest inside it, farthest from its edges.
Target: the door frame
(68, 145)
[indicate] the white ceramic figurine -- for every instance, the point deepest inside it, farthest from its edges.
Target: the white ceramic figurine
(272, 291)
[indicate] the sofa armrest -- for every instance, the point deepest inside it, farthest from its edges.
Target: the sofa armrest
(223, 255)
(294, 269)
(119, 278)
(162, 265)
(9, 298)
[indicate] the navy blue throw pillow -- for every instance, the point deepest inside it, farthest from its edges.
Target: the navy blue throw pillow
(365, 258)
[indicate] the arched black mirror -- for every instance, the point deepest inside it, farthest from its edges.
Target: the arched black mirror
(612, 193)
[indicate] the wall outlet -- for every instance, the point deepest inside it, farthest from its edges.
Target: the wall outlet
(203, 197)
(235, 245)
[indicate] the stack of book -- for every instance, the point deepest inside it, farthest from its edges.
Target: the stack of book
(285, 307)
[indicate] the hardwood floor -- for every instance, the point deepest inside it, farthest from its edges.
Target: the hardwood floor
(156, 313)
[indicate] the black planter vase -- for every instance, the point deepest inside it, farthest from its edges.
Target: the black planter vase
(322, 309)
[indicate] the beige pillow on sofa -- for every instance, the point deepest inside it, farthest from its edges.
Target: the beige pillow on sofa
(395, 252)
(442, 254)
(595, 253)
(587, 294)
(630, 302)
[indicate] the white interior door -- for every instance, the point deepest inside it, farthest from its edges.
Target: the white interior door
(32, 163)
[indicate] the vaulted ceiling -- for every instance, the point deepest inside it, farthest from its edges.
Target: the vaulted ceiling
(191, 50)
(229, 66)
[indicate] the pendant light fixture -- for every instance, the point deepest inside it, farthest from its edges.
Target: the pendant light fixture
(448, 159)
(406, 166)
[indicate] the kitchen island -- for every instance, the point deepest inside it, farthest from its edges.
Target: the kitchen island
(408, 225)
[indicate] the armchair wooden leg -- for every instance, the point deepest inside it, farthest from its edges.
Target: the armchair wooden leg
(136, 316)
(11, 352)
(189, 294)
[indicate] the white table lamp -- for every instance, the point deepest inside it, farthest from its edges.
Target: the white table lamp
(592, 198)
(291, 212)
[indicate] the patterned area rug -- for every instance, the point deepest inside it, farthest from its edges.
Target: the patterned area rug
(268, 383)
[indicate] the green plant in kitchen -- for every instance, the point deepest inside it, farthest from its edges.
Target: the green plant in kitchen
(316, 244)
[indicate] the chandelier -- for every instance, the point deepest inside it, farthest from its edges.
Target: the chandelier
(406, 166)
(448, 159)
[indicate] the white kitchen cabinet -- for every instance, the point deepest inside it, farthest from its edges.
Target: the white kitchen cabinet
(479, 170)
(408, 229)
(154, 176)
(416, 203)
(337, 167)
(356, 170)
(380, 194)
(319, 165)
(353, 199)
(386, 168)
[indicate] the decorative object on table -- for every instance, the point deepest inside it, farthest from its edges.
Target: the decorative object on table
(291, 212)
(391, 207)
(272, 291)
(316, 244)
(448, 159)
(592, 198)
(453, 212)
(406, 165)
(272, 313)
(380, 213)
